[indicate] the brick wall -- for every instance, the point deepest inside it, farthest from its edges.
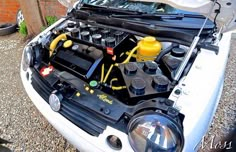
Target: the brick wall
(52, 8)
(9, 8)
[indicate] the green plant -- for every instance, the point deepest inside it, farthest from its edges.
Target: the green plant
(23, 29)
(51, 20)
(43, 28)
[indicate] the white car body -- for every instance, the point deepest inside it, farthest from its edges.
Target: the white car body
(200, 93)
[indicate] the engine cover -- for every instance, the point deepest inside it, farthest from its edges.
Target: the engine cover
(79, 59)
(144, 80)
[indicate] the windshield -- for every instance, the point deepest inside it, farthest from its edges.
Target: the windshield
(147, 7)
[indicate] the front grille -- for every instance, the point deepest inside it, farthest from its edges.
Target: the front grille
(81, 117)
(41, 86)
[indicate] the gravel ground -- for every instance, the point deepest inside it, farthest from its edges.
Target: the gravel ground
(21, 123)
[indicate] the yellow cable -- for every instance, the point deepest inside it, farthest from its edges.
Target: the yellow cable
(108, 73)
(112, 80)
(134, 55)
(114, 87)
(102, 73)
(130, 55)
(118, 88)
(54, 43)
(116, 64)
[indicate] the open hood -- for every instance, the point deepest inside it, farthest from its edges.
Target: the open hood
(226, 19)
(224, 11)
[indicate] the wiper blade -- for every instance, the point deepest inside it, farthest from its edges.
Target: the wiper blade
(151, 16)
(159, 16)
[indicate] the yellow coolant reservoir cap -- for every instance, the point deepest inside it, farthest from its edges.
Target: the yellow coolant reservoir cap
(149, 39)
(67, 44)
(148, 49)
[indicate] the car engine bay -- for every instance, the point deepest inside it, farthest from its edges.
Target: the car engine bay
(106, 75)
(103, 67)
(114, 61)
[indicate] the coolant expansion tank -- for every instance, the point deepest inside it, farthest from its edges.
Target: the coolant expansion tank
(148, 49)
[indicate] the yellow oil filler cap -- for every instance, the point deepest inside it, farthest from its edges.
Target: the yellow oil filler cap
(148, 49)
(67, 44)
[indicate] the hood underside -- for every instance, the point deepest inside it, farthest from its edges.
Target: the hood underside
(226, 19)
(223, 12)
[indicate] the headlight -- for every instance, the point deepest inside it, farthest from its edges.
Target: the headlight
(155, 132)
(27, 58)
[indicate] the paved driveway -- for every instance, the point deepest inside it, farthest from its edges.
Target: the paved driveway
(21, 123)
